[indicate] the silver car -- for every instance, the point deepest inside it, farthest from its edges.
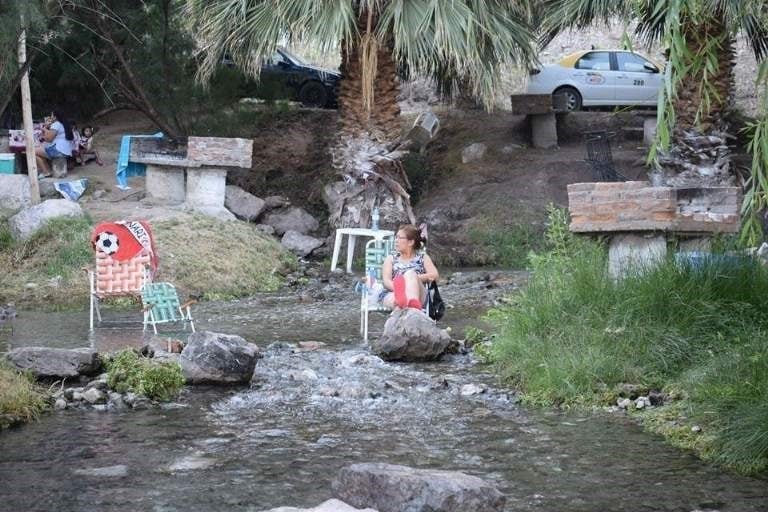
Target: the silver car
(600, 78)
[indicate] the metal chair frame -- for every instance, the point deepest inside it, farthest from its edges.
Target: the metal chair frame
(600, 157)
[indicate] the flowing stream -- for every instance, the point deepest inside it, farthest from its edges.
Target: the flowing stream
(309, 413)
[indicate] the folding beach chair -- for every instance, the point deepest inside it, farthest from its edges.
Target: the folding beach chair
(162, 305)
(376, 251)
(126, 263)
(117, 278)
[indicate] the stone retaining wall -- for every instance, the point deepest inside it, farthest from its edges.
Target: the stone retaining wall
(637, 206)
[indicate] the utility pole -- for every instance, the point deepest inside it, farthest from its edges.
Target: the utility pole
(26, 109)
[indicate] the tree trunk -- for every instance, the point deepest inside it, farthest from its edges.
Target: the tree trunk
(699, 154)
(366, 154)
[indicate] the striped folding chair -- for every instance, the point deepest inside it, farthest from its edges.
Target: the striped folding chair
(162, 305)
(376, 251)
(113, 278)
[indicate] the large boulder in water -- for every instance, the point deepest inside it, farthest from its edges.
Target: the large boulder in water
(55, 363)
(410, 335)
(326, 506)
(214, 358)
(391, 488)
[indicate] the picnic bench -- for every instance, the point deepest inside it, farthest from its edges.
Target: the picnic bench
(541, 110)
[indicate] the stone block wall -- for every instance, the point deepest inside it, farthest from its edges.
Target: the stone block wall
(637, 206)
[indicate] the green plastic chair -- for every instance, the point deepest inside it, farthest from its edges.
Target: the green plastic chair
(376, 251)
(161, 305)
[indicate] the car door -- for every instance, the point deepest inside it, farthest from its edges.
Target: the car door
(275, 78)
(637, 81)
(595, 78)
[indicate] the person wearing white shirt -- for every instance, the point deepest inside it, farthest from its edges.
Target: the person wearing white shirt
(59, 138)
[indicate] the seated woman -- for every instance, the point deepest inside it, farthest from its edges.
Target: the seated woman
(58, 137)
(406, 272)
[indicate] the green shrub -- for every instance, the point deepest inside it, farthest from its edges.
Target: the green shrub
(20, 398)
(129, 371)
(574, 335)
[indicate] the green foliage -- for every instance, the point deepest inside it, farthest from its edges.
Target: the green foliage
(506, 246)
(472, 39)
(756, 189)
(62, 245)
(129, 371)
(20, 398)
(574, 334)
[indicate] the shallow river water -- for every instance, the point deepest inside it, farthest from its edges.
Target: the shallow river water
(308, 414)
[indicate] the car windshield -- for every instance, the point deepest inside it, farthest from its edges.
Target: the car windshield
(293, 58)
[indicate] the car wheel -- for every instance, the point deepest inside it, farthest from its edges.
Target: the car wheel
(572, 98)
(313, 94)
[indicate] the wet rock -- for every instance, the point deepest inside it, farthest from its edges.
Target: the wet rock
(392, 488)
(642, 402)
(243, 204)
(623, 403)
(291, 219)
(472, 389)
(116, 401)
(299, 244)
(216, 358)
(141, 402)
(94, 396)
(326, 506)
(60, 404)
(25, 223)
(410, 335)
(129, 398)
(473, 152)
(58, 363)
(104, 472)
(97, 384)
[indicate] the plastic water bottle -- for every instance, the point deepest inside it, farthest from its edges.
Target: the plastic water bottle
(375, 219)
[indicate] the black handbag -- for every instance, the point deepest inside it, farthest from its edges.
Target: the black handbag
(436, 306)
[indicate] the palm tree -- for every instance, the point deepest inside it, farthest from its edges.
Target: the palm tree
(698, 94)
(379, 39)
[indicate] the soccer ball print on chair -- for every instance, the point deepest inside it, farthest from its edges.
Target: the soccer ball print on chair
(125, 259)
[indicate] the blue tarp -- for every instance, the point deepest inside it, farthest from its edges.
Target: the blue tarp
(126, 168)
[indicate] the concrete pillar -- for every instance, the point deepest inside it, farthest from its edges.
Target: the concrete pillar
(165, 184)
(544, 130)
(206, 186)
(635, 253)
(695, 244)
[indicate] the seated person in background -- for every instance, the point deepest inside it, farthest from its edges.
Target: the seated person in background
(57, 137)
(406, 273)
(86, 153)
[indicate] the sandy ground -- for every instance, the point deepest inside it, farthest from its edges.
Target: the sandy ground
(117, 203)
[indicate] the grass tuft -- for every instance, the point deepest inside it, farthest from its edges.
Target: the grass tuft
(21, 400)
(129, 371)
(574, 336)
